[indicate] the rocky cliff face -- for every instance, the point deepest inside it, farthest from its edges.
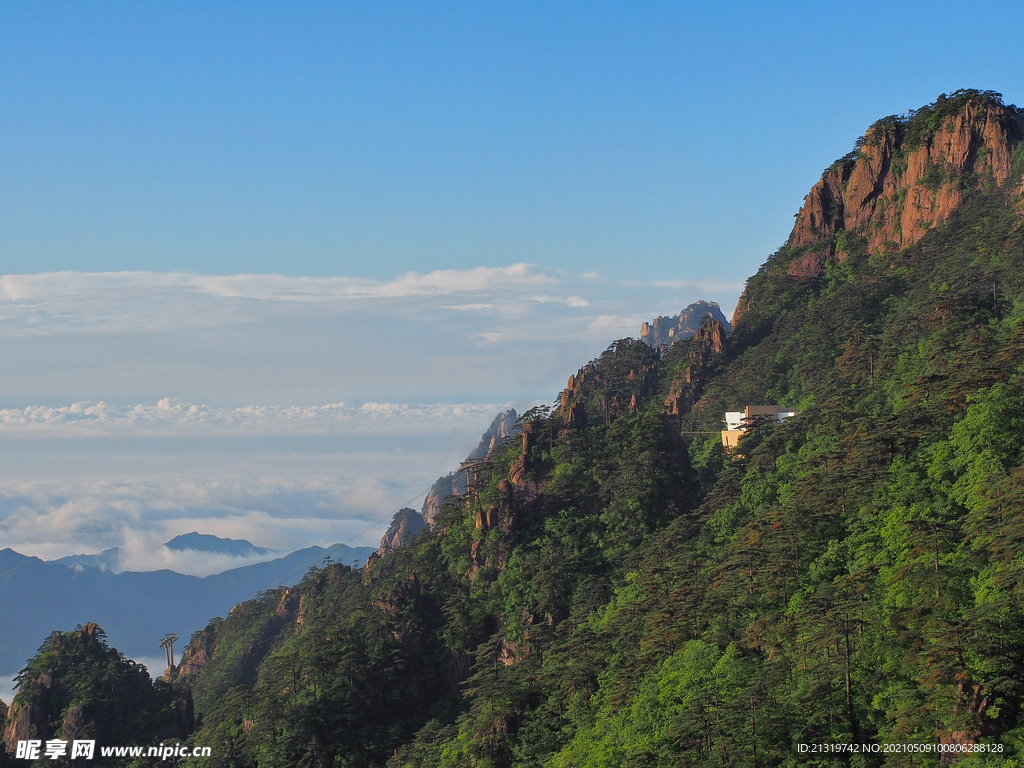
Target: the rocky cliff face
(404, 526)
(233, 648)
(706, 350)
(502, 430)
(909, 174)
(905, 176)
(629, 380)
(669, 330)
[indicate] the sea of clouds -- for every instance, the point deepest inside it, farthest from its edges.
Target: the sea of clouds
(168, 417)
(66, 495)
(289, 411)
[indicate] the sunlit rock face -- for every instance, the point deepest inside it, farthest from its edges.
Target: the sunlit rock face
(908, 175)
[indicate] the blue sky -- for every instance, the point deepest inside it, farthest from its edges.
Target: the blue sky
(267, 270)
(369, 139)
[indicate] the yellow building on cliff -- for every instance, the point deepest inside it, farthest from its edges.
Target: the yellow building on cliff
(738, 423)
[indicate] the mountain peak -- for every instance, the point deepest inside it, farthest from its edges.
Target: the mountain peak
(669, 330)
(404, 526)
(206, 542)
(906, 175)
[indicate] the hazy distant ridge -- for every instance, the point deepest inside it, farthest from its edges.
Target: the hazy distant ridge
(135, 608)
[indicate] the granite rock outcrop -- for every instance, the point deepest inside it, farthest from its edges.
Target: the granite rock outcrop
(668, 330)
(501, 431)
(404, 527)
(906, 175)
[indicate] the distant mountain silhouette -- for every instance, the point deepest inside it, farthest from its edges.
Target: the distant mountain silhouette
(110, 559)
(136, 609)
(206, 542)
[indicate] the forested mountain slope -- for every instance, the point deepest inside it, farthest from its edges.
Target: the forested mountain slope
(614, 590)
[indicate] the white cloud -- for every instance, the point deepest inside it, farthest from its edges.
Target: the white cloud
(53, 518)
(485, 339)
(468, 307)
(446, 335)
(168, 417)
(438, 282)
(82, 479)
(571, 301)
(613, 323)
(285, 410)
(270, 286)
(151, 302)
(711, 287)
(144, 556)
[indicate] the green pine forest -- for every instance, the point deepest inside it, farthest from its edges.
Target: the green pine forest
(616, 590)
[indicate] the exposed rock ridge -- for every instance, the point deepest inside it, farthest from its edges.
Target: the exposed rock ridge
(501, 516)
(669, 330)
(612, 394)
(404, 527)
(907, 175)
(522, 465)
(706, 348)
(205, 645)
(502, 430)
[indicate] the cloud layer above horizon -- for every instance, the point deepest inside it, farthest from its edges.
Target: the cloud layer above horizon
(509, 301)
(285, 410)
(168, 418)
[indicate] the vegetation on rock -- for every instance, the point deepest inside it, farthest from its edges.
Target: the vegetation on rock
(77, 687)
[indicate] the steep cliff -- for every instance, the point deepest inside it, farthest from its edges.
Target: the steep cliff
(908, 174)
(497, 436)
(227, 652)
(501, 431)
(905, 176)
(404, 527)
